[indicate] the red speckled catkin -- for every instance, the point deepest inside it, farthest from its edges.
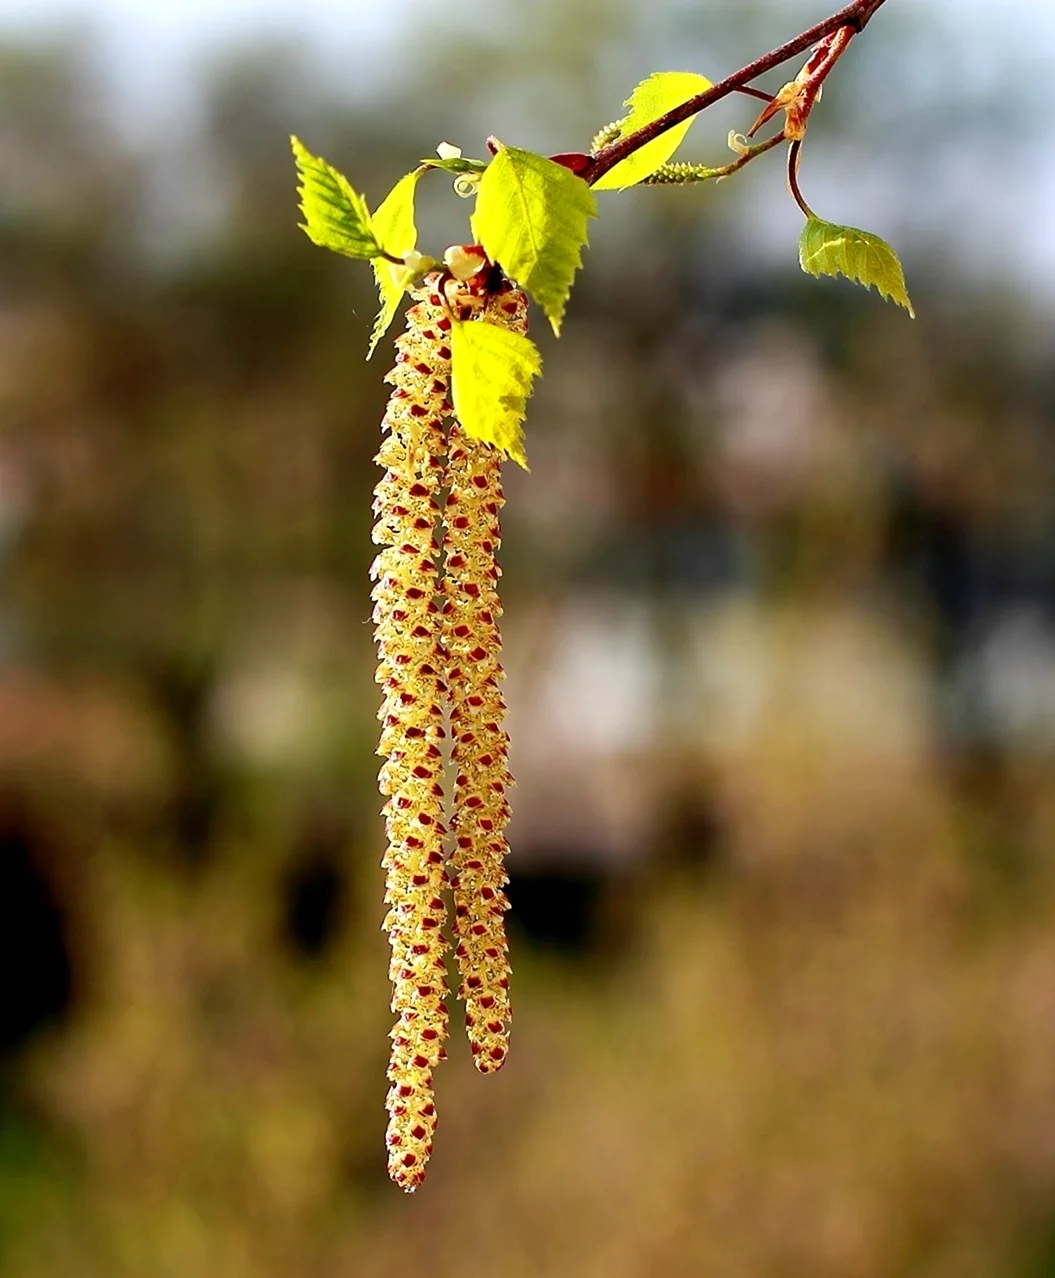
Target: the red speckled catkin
(410, 670)
(480, 745)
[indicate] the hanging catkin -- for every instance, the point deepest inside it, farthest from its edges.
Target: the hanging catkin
(439, 656)
(410, 671)
(480, 745)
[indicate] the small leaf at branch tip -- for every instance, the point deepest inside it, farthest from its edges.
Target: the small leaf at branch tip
(456, 164)
(335, 215)
(650, 99)
(828, 249)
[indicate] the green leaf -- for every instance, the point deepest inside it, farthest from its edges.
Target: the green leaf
(393, 225)
(336, 216)
(827, 249)
(492, 370)
(651, 99)
(455, 164)
(531, 218)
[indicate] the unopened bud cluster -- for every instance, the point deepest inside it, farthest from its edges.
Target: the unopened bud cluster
(436, 612)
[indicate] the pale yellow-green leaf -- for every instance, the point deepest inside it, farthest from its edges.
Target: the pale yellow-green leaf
(492, 370)
(651, 99)
(393, 225)
(531, 218)
(336, 215)
(827, 249)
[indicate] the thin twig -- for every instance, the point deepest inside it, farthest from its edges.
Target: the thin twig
(855, 16)
(794, 156)
(761, 94)
(698, 173)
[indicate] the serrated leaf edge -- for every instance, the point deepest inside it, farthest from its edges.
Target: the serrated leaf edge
(555, 315)
(357, 201)
(899, 296)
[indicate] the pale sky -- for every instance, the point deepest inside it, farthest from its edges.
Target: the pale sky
(147, 48)
(148, 39)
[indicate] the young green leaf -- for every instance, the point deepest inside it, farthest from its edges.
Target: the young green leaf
(455, 164)
(827, 249)
(492, 370)
(393, 225)
(336, 216)
(651, 99)
(531, 218)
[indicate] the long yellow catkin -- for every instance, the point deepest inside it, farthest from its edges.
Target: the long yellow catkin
(432, 663)
(480, 745)
(410, 670)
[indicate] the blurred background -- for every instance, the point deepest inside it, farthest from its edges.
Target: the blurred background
(780, 623)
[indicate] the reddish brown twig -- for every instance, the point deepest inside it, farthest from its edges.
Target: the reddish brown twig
(855, 17)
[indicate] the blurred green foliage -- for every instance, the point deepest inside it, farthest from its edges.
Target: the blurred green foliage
(781, 671)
